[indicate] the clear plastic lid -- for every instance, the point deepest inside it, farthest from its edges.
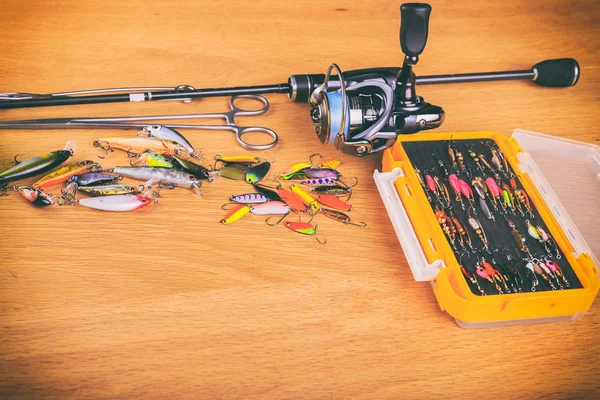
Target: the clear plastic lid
(571, 186)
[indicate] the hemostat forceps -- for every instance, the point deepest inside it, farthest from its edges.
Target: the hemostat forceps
(136, 122)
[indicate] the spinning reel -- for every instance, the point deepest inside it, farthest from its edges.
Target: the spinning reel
(375, 105)
(361, 116)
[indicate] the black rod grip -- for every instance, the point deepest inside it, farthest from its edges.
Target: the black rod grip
(414, 27)
(561, 72)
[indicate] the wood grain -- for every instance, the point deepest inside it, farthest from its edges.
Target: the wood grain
(166, 302)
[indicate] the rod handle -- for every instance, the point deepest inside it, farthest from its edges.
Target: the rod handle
(561, 72)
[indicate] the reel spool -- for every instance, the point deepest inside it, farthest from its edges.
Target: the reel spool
(363, 109)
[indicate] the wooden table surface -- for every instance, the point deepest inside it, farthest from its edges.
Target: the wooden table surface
(166, 302)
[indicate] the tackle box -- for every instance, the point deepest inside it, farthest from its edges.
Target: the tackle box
(562, 178)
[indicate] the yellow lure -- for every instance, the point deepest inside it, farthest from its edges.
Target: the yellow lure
(235, 213)
(306, 198)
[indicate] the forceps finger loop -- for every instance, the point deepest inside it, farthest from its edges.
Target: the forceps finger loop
(241, 131)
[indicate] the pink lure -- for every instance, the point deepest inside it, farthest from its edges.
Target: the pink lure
(491, 183)
(454, 182)
(551, 265)
(430, 183)
(481, 272)
(465, 189)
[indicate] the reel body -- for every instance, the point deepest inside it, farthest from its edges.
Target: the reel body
(374, 115)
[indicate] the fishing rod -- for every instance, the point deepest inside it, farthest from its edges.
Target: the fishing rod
(362, 116)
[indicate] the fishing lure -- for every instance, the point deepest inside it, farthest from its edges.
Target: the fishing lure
(486, 163)
(542, 272)
(476, 160)
(170, 134)
(501, 276)
(140, 145)
(494, 192)
(306, 198)
(166, 176)
(150, 159)
(519, 240)
(199, 171)
(313, 173)
(478, 229)
(508, 197)
(461, 162)
(234, 172)
(270, 208)
(509, 282)
(95, 178)
(293, 201)
(304, 228)
(451, 155)
(443, 196)
(271, 193)
(35, 166)
(242, 161)
(37, 197)
(295, 171)
(486, 210)
(64, 173)
(431, 184)
(455, 184)
(550, 272)
(480, 187)
(463, 233)
(334, 163)
(319, 182)
(333, 202)
(470, 277)
(235, 213)
(249, 198)
(558, 271)
(521, 195)
(442, 168)
(257, 172)
(483, 273)
(121, 202)
(107, 190)
(496, 160)
(341, 217)
(445, 223)
(495, 275)
(533, 232)
(530, 266)
(466, 191)
(548, 242)
(422, 182)
(335, 190)
(516, 276)
(516, 200)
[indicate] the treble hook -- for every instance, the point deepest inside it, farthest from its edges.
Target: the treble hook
(98, 144)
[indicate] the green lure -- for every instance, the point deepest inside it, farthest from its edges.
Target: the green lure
(35, 166)
(257, 172)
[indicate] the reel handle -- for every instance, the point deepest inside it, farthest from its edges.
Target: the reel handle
(414, 28)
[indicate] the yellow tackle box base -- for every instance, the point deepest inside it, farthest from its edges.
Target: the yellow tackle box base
(431, 258)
